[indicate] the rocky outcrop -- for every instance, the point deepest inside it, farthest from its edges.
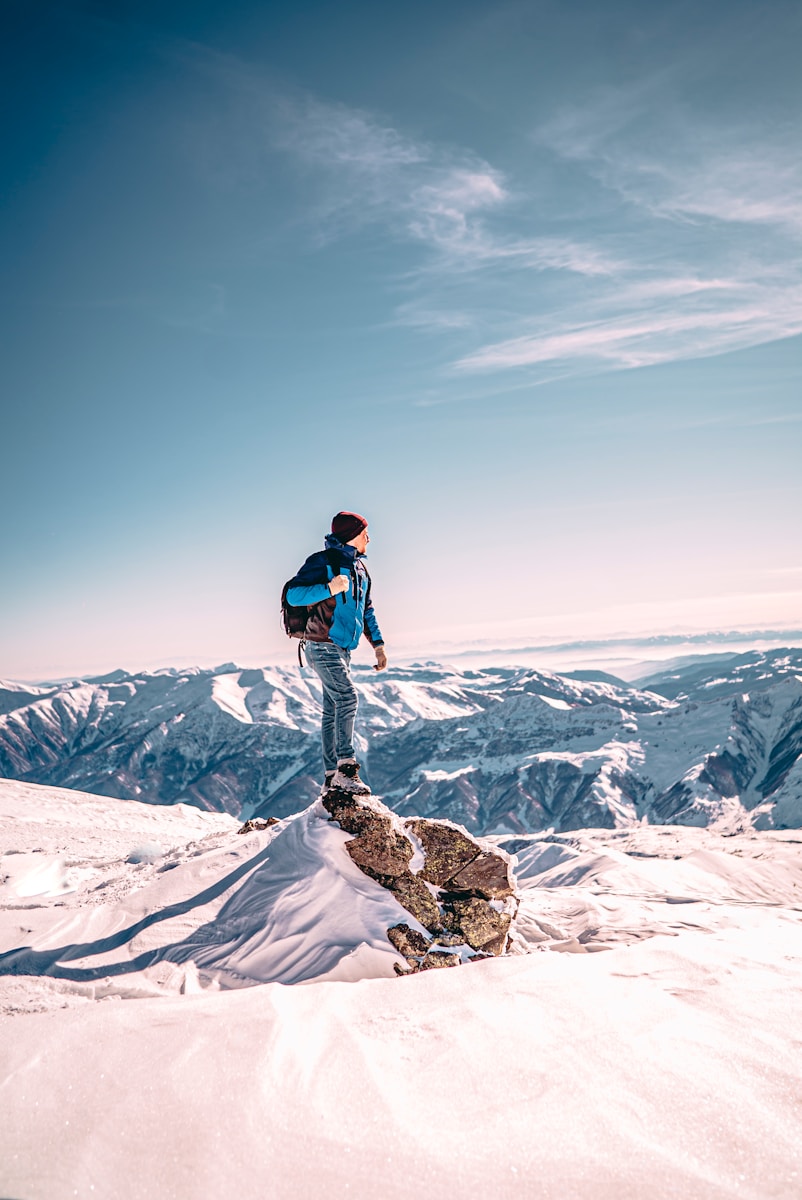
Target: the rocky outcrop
(257, 825)
(462, 894)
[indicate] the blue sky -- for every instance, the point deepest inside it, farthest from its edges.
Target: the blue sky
(521, 282)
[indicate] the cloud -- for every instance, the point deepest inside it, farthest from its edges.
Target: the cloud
(638, 341)
(375, 174)
(677, 166)
(758, 187)
(712, 220)
(443, 210)
(701, 256)
(415, 315)
(332, 134)
(442, 198)
(631, 233)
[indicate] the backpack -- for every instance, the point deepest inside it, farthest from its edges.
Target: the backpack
(294, 619)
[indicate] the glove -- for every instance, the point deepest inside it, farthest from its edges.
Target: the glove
(340, 583)
(381, 659)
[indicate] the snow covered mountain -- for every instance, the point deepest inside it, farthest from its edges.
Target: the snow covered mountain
(505, 751)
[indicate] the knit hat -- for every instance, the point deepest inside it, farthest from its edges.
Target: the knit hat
(347, 525)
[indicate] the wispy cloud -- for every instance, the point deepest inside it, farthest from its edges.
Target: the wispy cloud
(450, 201)
(678, 166)
(660, 336)
(416, 315)
(712, 221)
(652, 237)
(375, 174)
(703, 255)
(330, 134)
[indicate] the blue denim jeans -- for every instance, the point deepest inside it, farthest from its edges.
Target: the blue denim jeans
(333, 665)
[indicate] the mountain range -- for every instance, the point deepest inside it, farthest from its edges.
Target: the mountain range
(501, 751)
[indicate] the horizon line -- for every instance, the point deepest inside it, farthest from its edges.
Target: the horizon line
(715, 637)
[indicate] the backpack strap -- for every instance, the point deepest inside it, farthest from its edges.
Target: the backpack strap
(334, 566)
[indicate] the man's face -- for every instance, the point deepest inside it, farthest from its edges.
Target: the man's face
(360, 542)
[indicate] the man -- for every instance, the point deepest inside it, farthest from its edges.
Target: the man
(335, 582)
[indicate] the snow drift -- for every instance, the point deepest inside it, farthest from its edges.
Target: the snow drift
(287, 904)
(655, 1055)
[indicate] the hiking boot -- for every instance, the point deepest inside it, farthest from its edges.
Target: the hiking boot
(327, 782)
(346, 778)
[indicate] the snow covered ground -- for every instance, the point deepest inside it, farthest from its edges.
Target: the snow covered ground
(643, 1041)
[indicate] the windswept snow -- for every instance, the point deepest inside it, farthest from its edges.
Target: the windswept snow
(597, 889)
(287, 905)
(656, 1054)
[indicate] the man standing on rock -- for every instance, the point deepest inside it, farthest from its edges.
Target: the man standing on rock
(335, 586)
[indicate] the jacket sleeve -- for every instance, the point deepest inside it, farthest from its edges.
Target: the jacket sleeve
(310, 585)
(370, 626)
(299, 596)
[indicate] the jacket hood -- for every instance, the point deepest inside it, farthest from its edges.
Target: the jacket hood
(334, 543)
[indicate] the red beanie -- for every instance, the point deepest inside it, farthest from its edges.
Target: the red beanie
(347, 525)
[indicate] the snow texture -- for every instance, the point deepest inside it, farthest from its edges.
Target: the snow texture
(643, 1041)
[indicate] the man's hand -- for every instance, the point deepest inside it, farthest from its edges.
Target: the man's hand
(381, 659)
(340, 583)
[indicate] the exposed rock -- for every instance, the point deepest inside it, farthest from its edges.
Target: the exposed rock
(469, 875)
(257, 825)
(488, 875)
(498, 944)
(348, 813)
(380, 851)
(433, 961)
(407, 941)
(447, 850)
(410, 891)
(449, 939)
(483, 927)
(436, 959)
(377, 849)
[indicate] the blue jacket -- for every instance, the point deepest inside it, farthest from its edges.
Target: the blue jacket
(343, 618)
